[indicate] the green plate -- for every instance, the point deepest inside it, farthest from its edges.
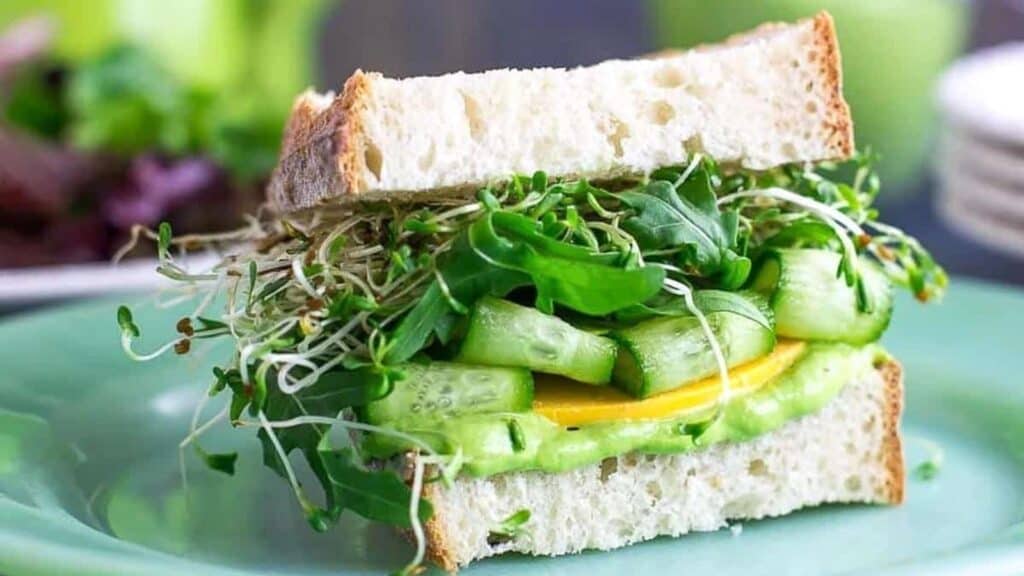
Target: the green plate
(90, 483)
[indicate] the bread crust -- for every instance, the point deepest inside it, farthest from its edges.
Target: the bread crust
(442, 554)
(892, 444)
(829, 60)
(439, 551)
(351, 137)
(305, 170)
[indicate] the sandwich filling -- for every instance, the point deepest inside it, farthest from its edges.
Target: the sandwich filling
(542, 325)
(544, 438)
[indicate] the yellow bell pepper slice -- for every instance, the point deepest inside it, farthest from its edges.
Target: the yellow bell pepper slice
(572, 404)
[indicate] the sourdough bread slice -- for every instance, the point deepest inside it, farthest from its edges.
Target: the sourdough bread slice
(848, 452)
(765, 98)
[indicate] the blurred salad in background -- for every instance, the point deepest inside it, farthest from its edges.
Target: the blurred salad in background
(123, 112)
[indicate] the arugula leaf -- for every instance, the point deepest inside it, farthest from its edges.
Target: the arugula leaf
(503, 251)
(294, 438)
(338, 389)
(663, 219)
(279, 406)
(376, 495)
(748, 304)
(570, 275)
(686, 217)
(468, 277)
(734, 271)
(803, 234)
(271, 288)
(221, 462)
(333, 392)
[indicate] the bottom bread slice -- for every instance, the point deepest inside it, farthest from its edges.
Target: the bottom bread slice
(847, 452)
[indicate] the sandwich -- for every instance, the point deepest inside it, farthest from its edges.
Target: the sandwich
(543, 311)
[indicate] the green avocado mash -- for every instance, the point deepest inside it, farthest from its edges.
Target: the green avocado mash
(496, 443)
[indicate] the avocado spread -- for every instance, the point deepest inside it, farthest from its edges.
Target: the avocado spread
(506, 442)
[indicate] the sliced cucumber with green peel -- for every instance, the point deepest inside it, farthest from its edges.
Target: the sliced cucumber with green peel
(439, 390)
(811, 302)
(667, 353)
(502, 333)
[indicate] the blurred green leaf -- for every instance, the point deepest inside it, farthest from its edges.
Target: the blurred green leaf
(33, 102)
(125, 102)
(245, 143)
(187, 77)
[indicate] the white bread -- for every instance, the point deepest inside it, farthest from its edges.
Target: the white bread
(848, 452)
(769, 97)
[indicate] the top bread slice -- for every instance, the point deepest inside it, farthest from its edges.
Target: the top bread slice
(765, 98)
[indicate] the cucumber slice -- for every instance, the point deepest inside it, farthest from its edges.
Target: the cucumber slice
(440, 390)
(501, 333)
(811, 302)
(667, 353)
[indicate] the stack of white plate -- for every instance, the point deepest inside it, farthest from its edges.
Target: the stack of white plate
(980, 161)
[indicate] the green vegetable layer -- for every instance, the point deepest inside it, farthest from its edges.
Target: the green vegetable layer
(441, 390)
(489, 447)
(666, 353)
(505, 334)
(811, 301)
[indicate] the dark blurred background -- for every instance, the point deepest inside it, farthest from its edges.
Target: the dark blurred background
(124, 111)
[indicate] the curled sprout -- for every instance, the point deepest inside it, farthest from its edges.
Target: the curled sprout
(307, 507)
(414, 519)
(680, 289)
(840, 224)
(130, 331)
